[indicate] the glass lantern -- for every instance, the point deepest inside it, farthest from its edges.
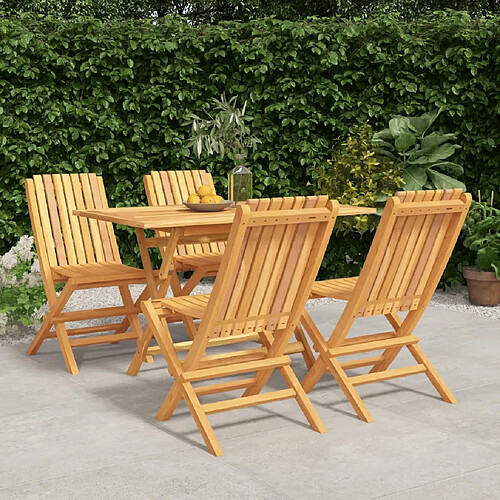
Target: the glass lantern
(240, 181)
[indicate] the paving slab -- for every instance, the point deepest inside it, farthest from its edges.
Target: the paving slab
(94, 435)
(482, 483)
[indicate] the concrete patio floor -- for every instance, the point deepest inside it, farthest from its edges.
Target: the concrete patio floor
(94, 435)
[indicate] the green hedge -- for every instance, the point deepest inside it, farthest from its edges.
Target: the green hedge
(84, 95)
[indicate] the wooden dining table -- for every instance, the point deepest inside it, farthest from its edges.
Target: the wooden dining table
(177, 225)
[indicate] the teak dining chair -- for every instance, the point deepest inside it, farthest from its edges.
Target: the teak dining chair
(82, 254)
(412, 245)
(273, 254)
(300, 346)
(172, 187)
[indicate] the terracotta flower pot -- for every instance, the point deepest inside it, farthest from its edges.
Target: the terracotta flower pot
(483, 287)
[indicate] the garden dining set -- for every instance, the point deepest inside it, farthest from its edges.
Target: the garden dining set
(265, 255)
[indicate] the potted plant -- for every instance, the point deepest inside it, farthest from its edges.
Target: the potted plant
(482, 227)
(226, 132)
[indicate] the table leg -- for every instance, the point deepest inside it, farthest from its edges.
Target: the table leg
(155, 290)
(146, 263)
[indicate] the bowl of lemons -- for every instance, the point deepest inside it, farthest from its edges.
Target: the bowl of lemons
(206, 200)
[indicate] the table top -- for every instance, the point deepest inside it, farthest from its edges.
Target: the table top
(178, 216)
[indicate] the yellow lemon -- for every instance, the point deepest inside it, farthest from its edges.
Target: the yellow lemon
(193, 198)
(207, 199)
(218, 199)
(204, 191)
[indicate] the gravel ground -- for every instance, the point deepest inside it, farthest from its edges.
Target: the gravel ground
(106, 297)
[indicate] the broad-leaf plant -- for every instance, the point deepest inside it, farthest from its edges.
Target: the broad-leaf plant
(423, 155)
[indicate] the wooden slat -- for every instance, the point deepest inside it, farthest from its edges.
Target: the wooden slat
(243, 288)
(439, 207)
(54, 219)
(40, 242)
(304, 259)
(85, 330)
(115, 253)
(103, 312)
(231, 404)
(223, 387)
(103, 228)
(64, 217)
(76, 232)
(437, 234)
(215, 342)
(347, 350)
(368, 338)
(182, 186)
(282, 237)
(222, 371)
(84, 222)
(359, 363)
(264, 260)
(403, 251)
(387, 375)
(102, 339)
(94, 224)
(399, 286)
(45, 220)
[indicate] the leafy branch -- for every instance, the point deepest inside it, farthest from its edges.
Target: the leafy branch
(225, 132)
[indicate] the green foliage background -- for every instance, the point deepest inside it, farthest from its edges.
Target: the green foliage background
(111, 97)
(213, 11)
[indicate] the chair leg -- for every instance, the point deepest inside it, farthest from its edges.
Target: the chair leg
(66, 350)
(318, 369)
(201, 419)
(126, 321)
(133, 319)
(432, 374)
(140, 352)
(313, 375)
(170, 403)
(302, 399)
(389, 355)
(307, 354)
(190, 326)
(56, 305)
(349, 390)
(40, 336)
(175, 285)
(193, 281)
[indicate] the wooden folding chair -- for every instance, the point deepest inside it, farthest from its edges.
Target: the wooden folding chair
(172, 187)
(412, 245)
(82, 254)
(272, 257)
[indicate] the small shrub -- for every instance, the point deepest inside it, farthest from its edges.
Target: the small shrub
(22, 296)
(355, 175)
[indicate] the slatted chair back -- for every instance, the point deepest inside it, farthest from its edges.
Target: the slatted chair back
(412, 245)
(62, 238)
(274, 251)
(172, 187)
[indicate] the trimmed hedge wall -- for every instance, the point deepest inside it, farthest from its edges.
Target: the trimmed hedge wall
(111, 97)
